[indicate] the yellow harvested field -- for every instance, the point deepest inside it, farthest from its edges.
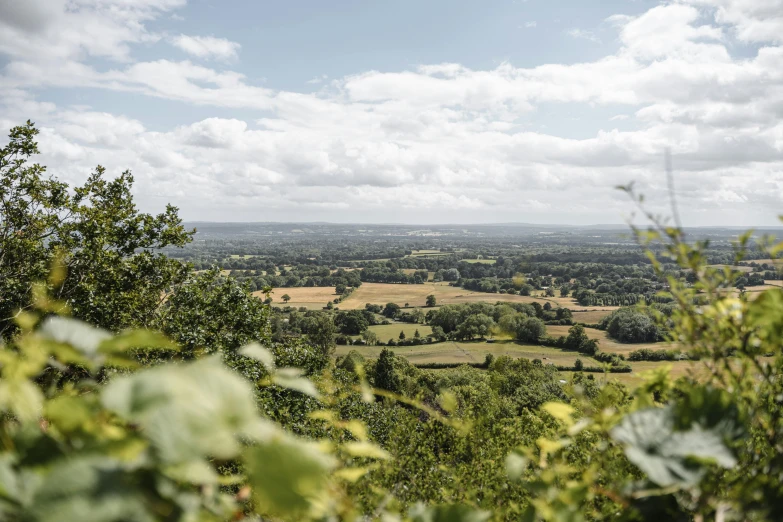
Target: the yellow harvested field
(310, 297)
(570, 302)
(591, 317)
(416, 295)
(605, 344)
(733, 267)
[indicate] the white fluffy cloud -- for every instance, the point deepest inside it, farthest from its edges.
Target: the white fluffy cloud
(206, 46)
(440, 142)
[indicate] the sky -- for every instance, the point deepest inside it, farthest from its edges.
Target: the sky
(438, 111)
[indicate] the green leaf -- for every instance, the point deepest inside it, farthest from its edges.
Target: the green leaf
(260, 354)
(193, 472)
(560, 411)
(366, 449)
(89, 489)
(516, 465)
(448, 401)
(289, 478)
(292, 379)
(447, 513)
(74, 333)
(668, 457)
(187, 411)
(351, 474)
(136, 339)
(22, 398)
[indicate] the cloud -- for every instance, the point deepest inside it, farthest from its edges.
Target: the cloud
(754, 21)
(531, 24)
(318, 79)
(434, 142)
(207, 47)
(46, 31)
(583, 35)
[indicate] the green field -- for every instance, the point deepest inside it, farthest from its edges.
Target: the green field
(469, 352)
(392, 331)
(480, 261)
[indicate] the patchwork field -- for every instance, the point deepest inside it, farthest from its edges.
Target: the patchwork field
(605, 343)
(472, 352)
(480, 261)
(475, 352)
(733, 267)
(416, 295)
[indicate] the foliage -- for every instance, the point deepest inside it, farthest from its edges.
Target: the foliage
(114, 276)
(632, 325)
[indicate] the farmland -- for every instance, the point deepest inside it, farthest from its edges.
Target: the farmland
(607, 344)
(591, 275)
(469, 352)
(416, 295)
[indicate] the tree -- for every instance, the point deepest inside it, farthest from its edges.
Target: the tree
(407, 305)
(579, 365)
(564, 314)
(402, 335)
(370, 337)
(452, 274)
(329, 305)
(320, 331)
(578, 341)
(530, 330)
(632, 325)
(340, 289)
(438, 334)
(385, 376)
(391, 310)
(200, 314)
(431, 301)
(550, 292)
(416, 334)
(352, 322)
(286, 298)
(475, 325)
(104, 246)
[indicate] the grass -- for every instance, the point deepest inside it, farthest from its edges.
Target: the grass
(469, 352)
(428, 253)
(590, 317)
(733, 267)
(479, 261)
(607, 344)
(411, 271)
(392, 331)
(475, 352)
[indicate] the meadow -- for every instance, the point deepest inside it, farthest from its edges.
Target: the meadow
(607, 344)
(469, 352)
